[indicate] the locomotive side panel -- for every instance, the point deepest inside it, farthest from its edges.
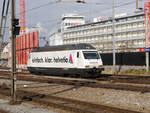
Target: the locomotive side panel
(51, 59)
(64, 61)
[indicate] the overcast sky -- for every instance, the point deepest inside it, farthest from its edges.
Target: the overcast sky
(48, 13)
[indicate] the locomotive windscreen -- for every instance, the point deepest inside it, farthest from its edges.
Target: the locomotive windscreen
(91, 55)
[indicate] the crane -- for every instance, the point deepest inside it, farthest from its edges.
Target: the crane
(22, 16)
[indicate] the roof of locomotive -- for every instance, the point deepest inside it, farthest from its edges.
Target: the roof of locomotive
(64, 47)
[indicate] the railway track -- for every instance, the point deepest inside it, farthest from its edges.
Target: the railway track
(82, 82)
(126, 79)
(64, 103)
(67, 104)
(104, 77)
(2, 111)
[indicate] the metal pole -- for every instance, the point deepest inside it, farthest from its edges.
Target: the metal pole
(147, 61)
(113, 36)
(13, 53)
(137, 4)
(146, 35)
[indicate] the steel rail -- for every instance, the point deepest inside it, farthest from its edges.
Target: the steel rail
(67, 104)
(81, 82)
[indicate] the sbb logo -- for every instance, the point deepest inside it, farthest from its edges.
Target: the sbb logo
(70, 59)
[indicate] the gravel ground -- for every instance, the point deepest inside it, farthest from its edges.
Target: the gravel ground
(23, 108)
(135, 101)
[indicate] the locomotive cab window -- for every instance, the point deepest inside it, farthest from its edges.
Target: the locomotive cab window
(91, 55)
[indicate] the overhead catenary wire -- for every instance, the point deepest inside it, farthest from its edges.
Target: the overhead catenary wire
(95, 11)
(116, 6)
(61, 1)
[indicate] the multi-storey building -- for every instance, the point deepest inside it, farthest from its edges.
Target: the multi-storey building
(129, 34)
(71, 19)
(68, 20)
(55, 38)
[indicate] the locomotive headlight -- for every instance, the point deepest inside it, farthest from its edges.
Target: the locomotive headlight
(99, 66)
(87, 66)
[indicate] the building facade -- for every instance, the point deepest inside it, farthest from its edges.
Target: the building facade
(55, 39)
(71, 19)
(129, 34)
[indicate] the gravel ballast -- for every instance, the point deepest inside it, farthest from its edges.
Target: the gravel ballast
(129, 100)
(21, 108)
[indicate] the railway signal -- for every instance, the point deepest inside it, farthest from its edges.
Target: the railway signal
(16, 27)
